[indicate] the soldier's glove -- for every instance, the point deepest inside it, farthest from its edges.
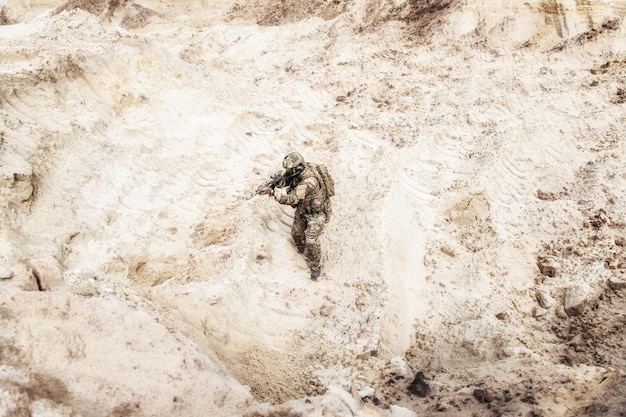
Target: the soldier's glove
(279, 192)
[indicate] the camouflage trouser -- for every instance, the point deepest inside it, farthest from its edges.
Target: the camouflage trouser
(305, 231)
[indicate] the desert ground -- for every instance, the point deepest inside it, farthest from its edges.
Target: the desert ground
(475, 261)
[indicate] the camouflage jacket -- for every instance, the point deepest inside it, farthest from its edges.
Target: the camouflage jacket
(305, 192)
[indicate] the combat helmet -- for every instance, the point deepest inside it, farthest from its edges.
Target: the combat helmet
(293, 161)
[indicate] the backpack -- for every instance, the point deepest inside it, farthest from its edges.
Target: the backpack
(327, 180)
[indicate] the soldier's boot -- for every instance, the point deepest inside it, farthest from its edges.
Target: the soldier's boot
(315, 273)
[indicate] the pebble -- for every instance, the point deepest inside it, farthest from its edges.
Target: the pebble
(617, 284)
(5, 273)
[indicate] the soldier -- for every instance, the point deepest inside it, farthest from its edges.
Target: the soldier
(305, 189)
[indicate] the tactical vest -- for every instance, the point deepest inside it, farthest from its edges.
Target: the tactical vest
(318, 191)
(316, 200)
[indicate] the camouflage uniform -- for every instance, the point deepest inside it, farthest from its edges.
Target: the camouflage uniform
(307, 195)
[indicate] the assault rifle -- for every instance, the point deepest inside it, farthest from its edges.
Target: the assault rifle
(276, 180)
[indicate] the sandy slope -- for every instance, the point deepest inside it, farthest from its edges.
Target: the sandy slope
(473, 145)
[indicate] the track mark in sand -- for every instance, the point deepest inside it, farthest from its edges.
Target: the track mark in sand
(514, 167)
(421, 175)
(208, 178)
(239, 146)
(27, 112)
(413, 183)
(507, 191)
(250, 124)
(88, 83)
(558, 151)
(286, 217)
(249, 133)
(205, 176)
(276, 218)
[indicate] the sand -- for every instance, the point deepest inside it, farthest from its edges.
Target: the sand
(474, 263)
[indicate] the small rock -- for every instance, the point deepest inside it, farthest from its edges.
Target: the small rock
(395, 370)
(575, 299)
(5, 273)
(47, 272)
(539, 312)
(599, 219)
(617, 284)
(366, 392)
(326, 310)
(545, 195)
(503, 316)
(448, 250)
(419, 387)
(560, 312)
(576, 340)
(23, 277)
(483, 395)
(397, 411)
(610, 263)
(549, 266)
(620, 241)
(364, 355)
(442, 405)
(538, 412)
(543, 299)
